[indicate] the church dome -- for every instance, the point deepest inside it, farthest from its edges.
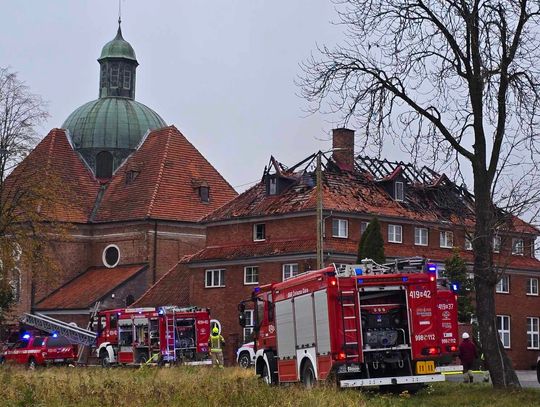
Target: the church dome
(111, 123)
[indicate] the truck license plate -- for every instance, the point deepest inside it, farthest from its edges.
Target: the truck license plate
(427, 367)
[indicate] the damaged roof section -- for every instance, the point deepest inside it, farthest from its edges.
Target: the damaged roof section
(427, 197)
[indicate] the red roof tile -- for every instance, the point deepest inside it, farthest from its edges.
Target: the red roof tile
(171, 289)
(54, 157)
(89, 287)
(166, 173)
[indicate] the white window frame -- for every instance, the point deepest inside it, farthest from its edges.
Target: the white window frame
(504, 334)
(468, 243)
(256, 237)
(532, 286)
(272, 186)
(220, 278)
(444, 237)
(518, 246)
(248, 329)
(419, 236)
(533, 333)
(395, 234)
(288, 272)
(340, 228)
(497, 241)
(399, 194)
(503, 285)
(363, 226)
(251, 269)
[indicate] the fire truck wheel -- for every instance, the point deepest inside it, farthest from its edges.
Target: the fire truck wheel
(142, 359)
(104, 358)
(308, 375)
(265, 375)
(244, 360)
(32, 363)
(2, 360)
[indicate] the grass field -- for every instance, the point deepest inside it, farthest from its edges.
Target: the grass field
(185, 386)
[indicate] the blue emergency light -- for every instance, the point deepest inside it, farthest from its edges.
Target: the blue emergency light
(404, 279)
(360, 280)
(358, 271)
(26, 336)
(161, 311)
(257, 289)
(455, 287)
(55, 334)
(432, 268)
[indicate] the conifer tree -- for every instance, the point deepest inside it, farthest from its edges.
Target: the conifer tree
(456, 272)
(371, 243)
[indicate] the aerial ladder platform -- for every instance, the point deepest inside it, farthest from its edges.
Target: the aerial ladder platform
(73, 333)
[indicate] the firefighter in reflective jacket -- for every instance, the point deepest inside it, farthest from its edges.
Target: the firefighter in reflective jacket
(216, 343)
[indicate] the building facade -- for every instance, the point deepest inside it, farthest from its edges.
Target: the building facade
(269, 233)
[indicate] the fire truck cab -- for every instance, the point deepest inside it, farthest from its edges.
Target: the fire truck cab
(162, 335)
(362, 325)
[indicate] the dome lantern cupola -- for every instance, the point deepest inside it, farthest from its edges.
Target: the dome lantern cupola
(118, 64)
(107, 130)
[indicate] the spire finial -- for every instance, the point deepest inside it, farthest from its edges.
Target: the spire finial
(119, 13)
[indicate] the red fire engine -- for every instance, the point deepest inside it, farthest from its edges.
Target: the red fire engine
(364, 325)
(163, 334)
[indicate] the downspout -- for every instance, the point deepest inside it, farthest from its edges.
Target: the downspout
(154, 271)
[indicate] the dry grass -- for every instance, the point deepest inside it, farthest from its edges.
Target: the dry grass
(190, 386)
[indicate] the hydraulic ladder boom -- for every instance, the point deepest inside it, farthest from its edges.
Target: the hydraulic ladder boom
(74, 334)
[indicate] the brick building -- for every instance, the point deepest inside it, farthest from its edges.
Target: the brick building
(135, 191)
(268, 233)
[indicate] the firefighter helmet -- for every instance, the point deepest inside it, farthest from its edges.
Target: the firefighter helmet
(215, 330)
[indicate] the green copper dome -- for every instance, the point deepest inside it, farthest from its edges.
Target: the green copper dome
(118, 48)
(111, 123)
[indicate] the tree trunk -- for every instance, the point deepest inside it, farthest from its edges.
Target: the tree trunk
(485, 279)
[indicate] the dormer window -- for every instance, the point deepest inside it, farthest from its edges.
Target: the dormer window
(131, 176)
(399, 194)
(272, 186)
(204, 193)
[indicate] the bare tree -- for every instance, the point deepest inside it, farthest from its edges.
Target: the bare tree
(451, 81)
(28, 195)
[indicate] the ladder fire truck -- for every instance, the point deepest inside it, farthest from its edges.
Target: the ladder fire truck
(362, 325)
(166, 334)
(163, 335)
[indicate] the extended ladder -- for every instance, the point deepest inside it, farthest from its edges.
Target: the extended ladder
(73, 333)
(93, 314)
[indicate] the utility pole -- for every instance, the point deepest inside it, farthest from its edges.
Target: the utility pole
(319, 216)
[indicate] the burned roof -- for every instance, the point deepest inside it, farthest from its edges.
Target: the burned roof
(429, 196)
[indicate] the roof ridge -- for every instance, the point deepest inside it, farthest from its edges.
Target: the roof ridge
(160, 174)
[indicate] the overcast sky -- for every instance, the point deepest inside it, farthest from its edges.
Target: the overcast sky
(222, 72)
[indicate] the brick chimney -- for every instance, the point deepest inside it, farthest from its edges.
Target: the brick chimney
(343, 142)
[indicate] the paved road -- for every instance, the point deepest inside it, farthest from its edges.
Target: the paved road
(527, 378)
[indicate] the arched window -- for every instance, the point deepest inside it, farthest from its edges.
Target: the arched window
(16, 284)
(104, 164)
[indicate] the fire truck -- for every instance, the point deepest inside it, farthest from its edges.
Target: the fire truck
(162, 335)
(361, 325)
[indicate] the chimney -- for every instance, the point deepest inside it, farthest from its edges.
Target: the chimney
(343, 144)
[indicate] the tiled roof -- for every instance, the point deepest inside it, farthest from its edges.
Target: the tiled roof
(160, 181)
(357, 192)
(89, 287)
(171, 289)
(54, 157)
